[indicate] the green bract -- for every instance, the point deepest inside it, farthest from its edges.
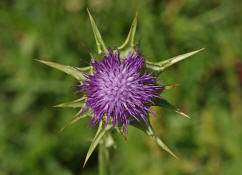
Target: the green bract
(103, 137)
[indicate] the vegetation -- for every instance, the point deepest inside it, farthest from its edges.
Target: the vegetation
(210, 88)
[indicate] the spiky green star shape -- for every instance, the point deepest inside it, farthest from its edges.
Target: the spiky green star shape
(115, 92)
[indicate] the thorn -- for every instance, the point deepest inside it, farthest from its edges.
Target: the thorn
(185, 115)
(41, 61)
(136, 14)
(166, 87)
(125, 139)
(173, 155)
(64, 127)
(38, 60)
(84, 164)
(199, 50)
(90, 51)
(88, 11)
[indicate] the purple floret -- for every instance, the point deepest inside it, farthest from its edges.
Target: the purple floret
(117, 90)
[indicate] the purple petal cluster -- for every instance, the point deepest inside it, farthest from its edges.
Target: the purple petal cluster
(117, 90)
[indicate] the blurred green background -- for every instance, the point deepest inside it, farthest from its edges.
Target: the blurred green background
(210, 92)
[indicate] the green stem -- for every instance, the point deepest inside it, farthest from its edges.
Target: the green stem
(103, 158)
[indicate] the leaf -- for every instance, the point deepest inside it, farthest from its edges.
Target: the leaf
(101, 47)
(162, 65)
(147, 128)
(73, 71)
(74, 120)
(129, 45)
(99, 134)
(166, 104)
(72, 104)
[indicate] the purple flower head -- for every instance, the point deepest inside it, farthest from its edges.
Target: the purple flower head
(119, 91)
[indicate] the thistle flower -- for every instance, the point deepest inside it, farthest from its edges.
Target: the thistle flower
(118, 90)
(118, 93)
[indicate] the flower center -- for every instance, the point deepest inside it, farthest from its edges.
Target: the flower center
(117, 88)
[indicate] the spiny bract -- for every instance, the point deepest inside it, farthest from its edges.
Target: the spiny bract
(117, 90)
